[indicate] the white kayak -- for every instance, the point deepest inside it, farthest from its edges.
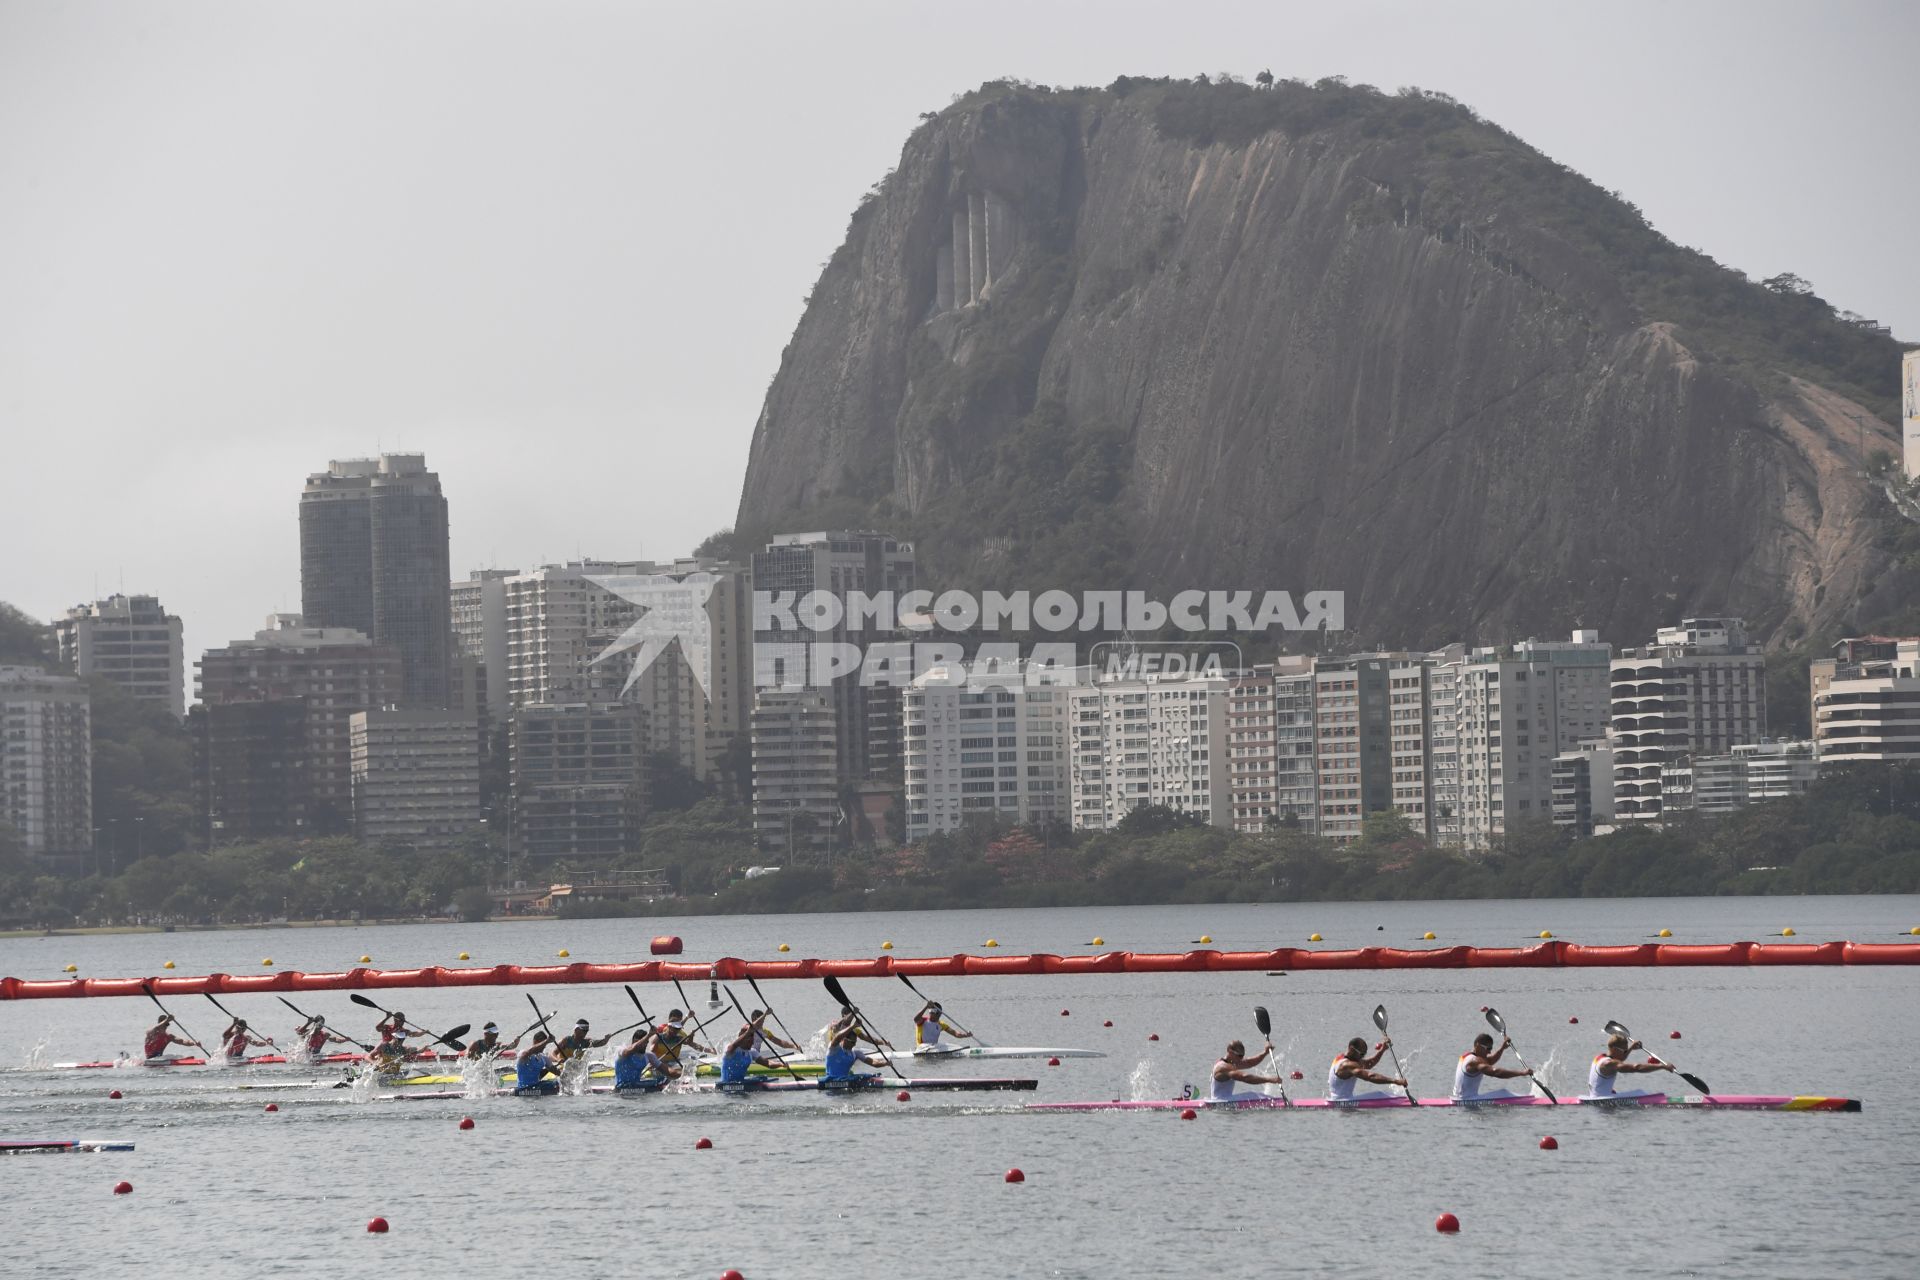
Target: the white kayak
(941, 1052)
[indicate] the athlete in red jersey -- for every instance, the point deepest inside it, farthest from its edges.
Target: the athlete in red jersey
(237, 1040)
(317, 1036)
(160, 1036)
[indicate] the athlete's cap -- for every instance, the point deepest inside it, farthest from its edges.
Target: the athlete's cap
(675, 1016)
(491, 1026)
(581, 1023)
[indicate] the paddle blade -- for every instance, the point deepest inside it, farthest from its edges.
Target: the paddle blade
(1262, 1021)
(835, 990)
(1615, 1029)
(1694, 1080)
(633, 997)
(357, 998)
(903, 977)
(458, 1031)
(1380, 1016)
(1541, 1085)
(1497, 1022)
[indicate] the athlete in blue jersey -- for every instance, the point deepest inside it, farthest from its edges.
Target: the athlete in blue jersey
(636, 1066)
(531, 1067)
(737, 1058)
(843, 1055)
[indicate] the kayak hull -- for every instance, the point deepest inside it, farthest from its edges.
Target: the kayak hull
(1706, 1102)
(55, 1145)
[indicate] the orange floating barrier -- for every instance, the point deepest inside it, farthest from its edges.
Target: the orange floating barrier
(1722, 953)
(1797, 953)
(1579, 957)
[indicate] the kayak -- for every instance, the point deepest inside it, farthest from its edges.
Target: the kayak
(859, 1084)
(260, 1060)
(1710, 1101)
(16, 1147)
(941, 1052)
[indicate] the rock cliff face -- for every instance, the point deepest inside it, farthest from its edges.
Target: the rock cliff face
(1167, 336)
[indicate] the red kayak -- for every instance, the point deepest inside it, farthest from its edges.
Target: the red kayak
(261, 1060)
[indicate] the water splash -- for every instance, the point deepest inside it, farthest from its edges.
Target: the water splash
(36, 1056)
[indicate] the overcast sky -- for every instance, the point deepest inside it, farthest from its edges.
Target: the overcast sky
(559, 246)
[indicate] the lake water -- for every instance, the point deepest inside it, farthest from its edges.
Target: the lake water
(811, 1186)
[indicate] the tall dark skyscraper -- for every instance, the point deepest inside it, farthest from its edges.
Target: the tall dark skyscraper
(373, 556)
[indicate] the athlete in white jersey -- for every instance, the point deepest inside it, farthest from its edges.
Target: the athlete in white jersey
(766, 1044)
(1237, 1067)
(1355, 1065)
(1603, 1075)
(1479, 1065)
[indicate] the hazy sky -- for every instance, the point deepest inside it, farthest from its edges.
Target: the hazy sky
(559, 246)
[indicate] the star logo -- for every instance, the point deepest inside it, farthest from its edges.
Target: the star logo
(670, 609)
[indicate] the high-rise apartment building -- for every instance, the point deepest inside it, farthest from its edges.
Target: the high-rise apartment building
(131, 641)
(416, 777)
(1752, 773)
(1699, 689)
(796, 780)
(336, 672)
(373, 558)
(835, 564)
(253, 767)
(46, 763)
(1583, 787)
(579, 779)
(1152, 741)
(478, 609)
(981, 739)
(1866, 703)
(1270, 747)
(1505, 716)
(1371, 718)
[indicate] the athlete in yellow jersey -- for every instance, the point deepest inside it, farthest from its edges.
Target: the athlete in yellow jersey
(928, 1024)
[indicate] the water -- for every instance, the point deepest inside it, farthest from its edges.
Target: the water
(813, 1186)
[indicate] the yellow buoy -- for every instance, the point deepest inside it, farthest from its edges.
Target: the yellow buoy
(1914, 932)
(1427, 936)
(1787, 932)
(886, 946)
(1313, 937)
(465, 956)
(1206, 937)
(72, 968)
(167, 965)
(785, 947)
(993, 942)
(1098, 941)
(366, 959)
(1546, 933)
(267, 961)
(1666, 933)
(563, 953)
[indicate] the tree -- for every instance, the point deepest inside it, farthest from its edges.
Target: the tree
(474, 904)
(718, 545)
(1155, 820)
(1264, 79)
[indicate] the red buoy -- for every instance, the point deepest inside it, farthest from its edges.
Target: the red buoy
(377, 1226)
(1673, 1035)
(1189, 1114)
(1107, 1023)
(1573, 1022)
(123, 1188)
(115, 1095)
(1297, 1075)
(666, 945)
(1549, 1143)
(466, 1122)
(1065, 1013)
(1014, 1175)
(705, 1144)
(1446, 1222)
(1154, 1036)
(272, 1107)
(731, 1274)
(1053, 1062)
(903, 1096)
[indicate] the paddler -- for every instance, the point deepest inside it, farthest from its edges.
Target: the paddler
(490, 1043)
(850, 1021)
(1603, 1075)
(737, 1059)
(1355, 1065)
(316, 1035)
(843, 1055)
(237, 1039)
(532, 1066)
(392, 1030)
(1481, 1064)
(766, 1042)
(1235, 1067)
(674, 1036)
(928, 1024)
(389, 1058)
(576, 1043)
(636, 1066)
(160, 1036)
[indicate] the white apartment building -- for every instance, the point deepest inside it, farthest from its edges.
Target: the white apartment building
(416, 777)
(1866, 701)
(1583, 787)
(1512, 712)
(796, 779)
(1371, 718)
(1152, 741)
(46, 762)
(985, 739)
(1270, 747)
(1699, 689)
(1754, 772)
(478, 607)
(132, 641)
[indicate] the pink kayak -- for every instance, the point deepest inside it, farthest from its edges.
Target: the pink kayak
(1711, 1101)
(259, 1060)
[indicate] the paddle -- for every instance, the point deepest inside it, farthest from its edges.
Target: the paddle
(798, 1046)
(1615, 1029)
(916, 991)
(451, 1039)
(222, 1008)
(364, 1048)
(148, 988)
(1262, 1021)
(539, 1019)
(1499, 1024)
(743, 1014)
(1380, 1021)
(839, 994)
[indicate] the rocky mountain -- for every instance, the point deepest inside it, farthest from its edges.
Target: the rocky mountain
(1169, 335)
